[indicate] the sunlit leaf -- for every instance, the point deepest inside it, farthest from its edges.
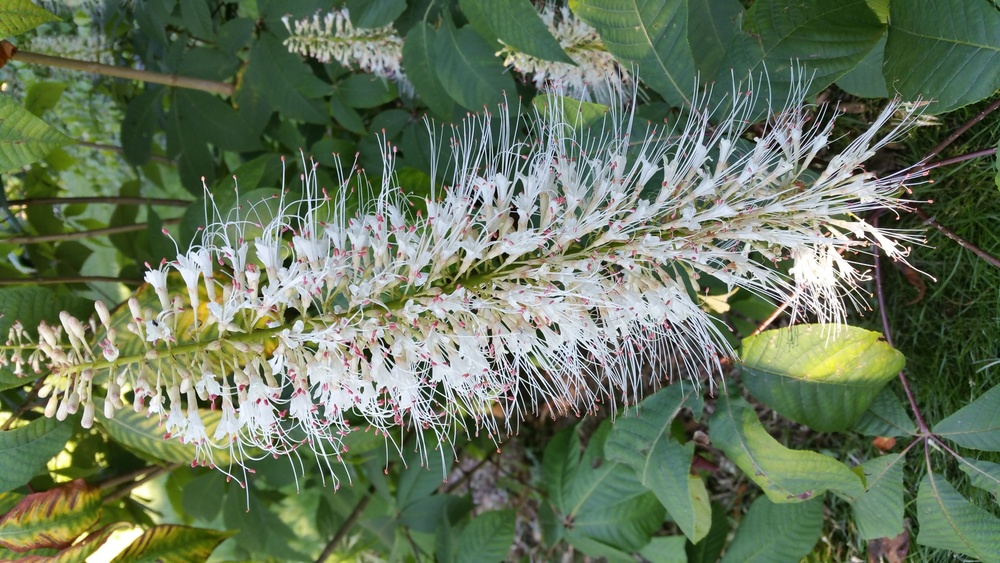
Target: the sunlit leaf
(976, 425)
(419, 60)
(24, 138)
(776, 532)
(569, 110)
(515, 23)
(53, 519)
(824, 376)
(18, 16)
(78, 552)
(469, 70)
(948, 521)
(879, 511)
(785, 475)
(172, 544)
(24, 451)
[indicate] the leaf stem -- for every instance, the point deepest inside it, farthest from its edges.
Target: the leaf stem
(146, 475)
(346, 527)
(958, 133)
(25, 405)
(70, 279)
(955, 237)
(112, 200)
(37, 239)
(173, 80)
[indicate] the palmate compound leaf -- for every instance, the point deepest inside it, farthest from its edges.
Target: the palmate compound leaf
(18, 16)
(879, 511)
(599, 504)
(53, 519)
(785, 475)
(776, 532)
(662, 464)
(24, 451)
(823, 376)
(976, 425)
(24, 138)
(948, 521)
(172, 544)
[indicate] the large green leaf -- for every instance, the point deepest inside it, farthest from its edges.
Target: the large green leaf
(569, 110)
(168, 543)
(983, 474)
(824, 376)
(53, 519)
(599, 502)
(662, 464)
(215, 121)
(665, 549)
(948, 52)
(948, 521)
(879, 511)
(885, 416)
(649, 35)
(515, 23)
(23, 137)
(18, 16)
(488, 537)
(709, 548)
(866, 80)
(139, 125)
(81, 551)
(419, 478)
(375, 13)
(469, 70)
(826, 38)
(24, 451)
(419, 60)
(976, 425)
(282, 81)
(711, 26)
(776, 532)
(785, 475)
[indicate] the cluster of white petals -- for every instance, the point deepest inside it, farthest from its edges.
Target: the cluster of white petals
(596, 77)
(377, 51)
(548, 272)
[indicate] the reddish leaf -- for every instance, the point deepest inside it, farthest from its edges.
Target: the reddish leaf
(51, 519)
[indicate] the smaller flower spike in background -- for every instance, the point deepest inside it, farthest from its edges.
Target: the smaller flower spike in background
(549, 271)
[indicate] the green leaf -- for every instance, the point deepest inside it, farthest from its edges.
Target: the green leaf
(866, 80)
(202, 496)
(663, 465)
(826, 38)
(948, 521)
(885, 416)
(24, 138)
(283, 80)
(375, 13)
(168, 543)
(824, 376)
(785, 475)
(426, 514)
(24, 451)
(569, 110)
(711, 26)
(515, 23)
(488, 537)
(261, 531)
(43, 96)
(983, 474)
(650, 35)
(80, 551)
(53, 519)
(600, 502)
(879, 511)
(215, 121)
(469, 71)
(709, 549)
(976, 425)
(665, 549)
(776, 532)
(139, 126)
(420, 60)
(197, 19)
(949, 53)
(366, 91)
(419, 478)
(18, 16)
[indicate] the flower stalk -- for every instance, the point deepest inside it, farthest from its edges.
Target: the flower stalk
(548, 271)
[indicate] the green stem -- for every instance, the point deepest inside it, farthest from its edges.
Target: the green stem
(113, 200)
(173, 80)
(37, 239)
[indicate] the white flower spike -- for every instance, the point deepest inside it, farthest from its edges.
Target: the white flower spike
(548, 271)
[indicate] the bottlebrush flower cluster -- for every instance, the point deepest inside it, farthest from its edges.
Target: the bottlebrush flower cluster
(548, 271)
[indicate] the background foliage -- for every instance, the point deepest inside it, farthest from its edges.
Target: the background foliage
(668, 482)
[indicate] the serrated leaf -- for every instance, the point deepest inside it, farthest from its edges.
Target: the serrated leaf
(785, 475)
(261, 531)
(469, 71)
(824, 376)
(283, 80)
(197, 19)
(24, 138)
(24, 451)
(18, 16)
(879, 511)
(366, 91)
(419, 478)
(662, 464)
(948, 521)
(777, 35)
(419, 60)
(949, 52)
(976, 425)
(515, 23)
(711, 26)
(596, 499)
(983, 474)
(139, 125)
(78, 552)
(202, 496)
(53, 519)
(649, 35)
(776, 532)
(487, 537)
(169, 543)
(885, 416)
(425, 515)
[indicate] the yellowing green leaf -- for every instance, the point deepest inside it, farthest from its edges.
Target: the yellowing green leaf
(172, 544)
(52, 519)
(18, 16)
(23, 137)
